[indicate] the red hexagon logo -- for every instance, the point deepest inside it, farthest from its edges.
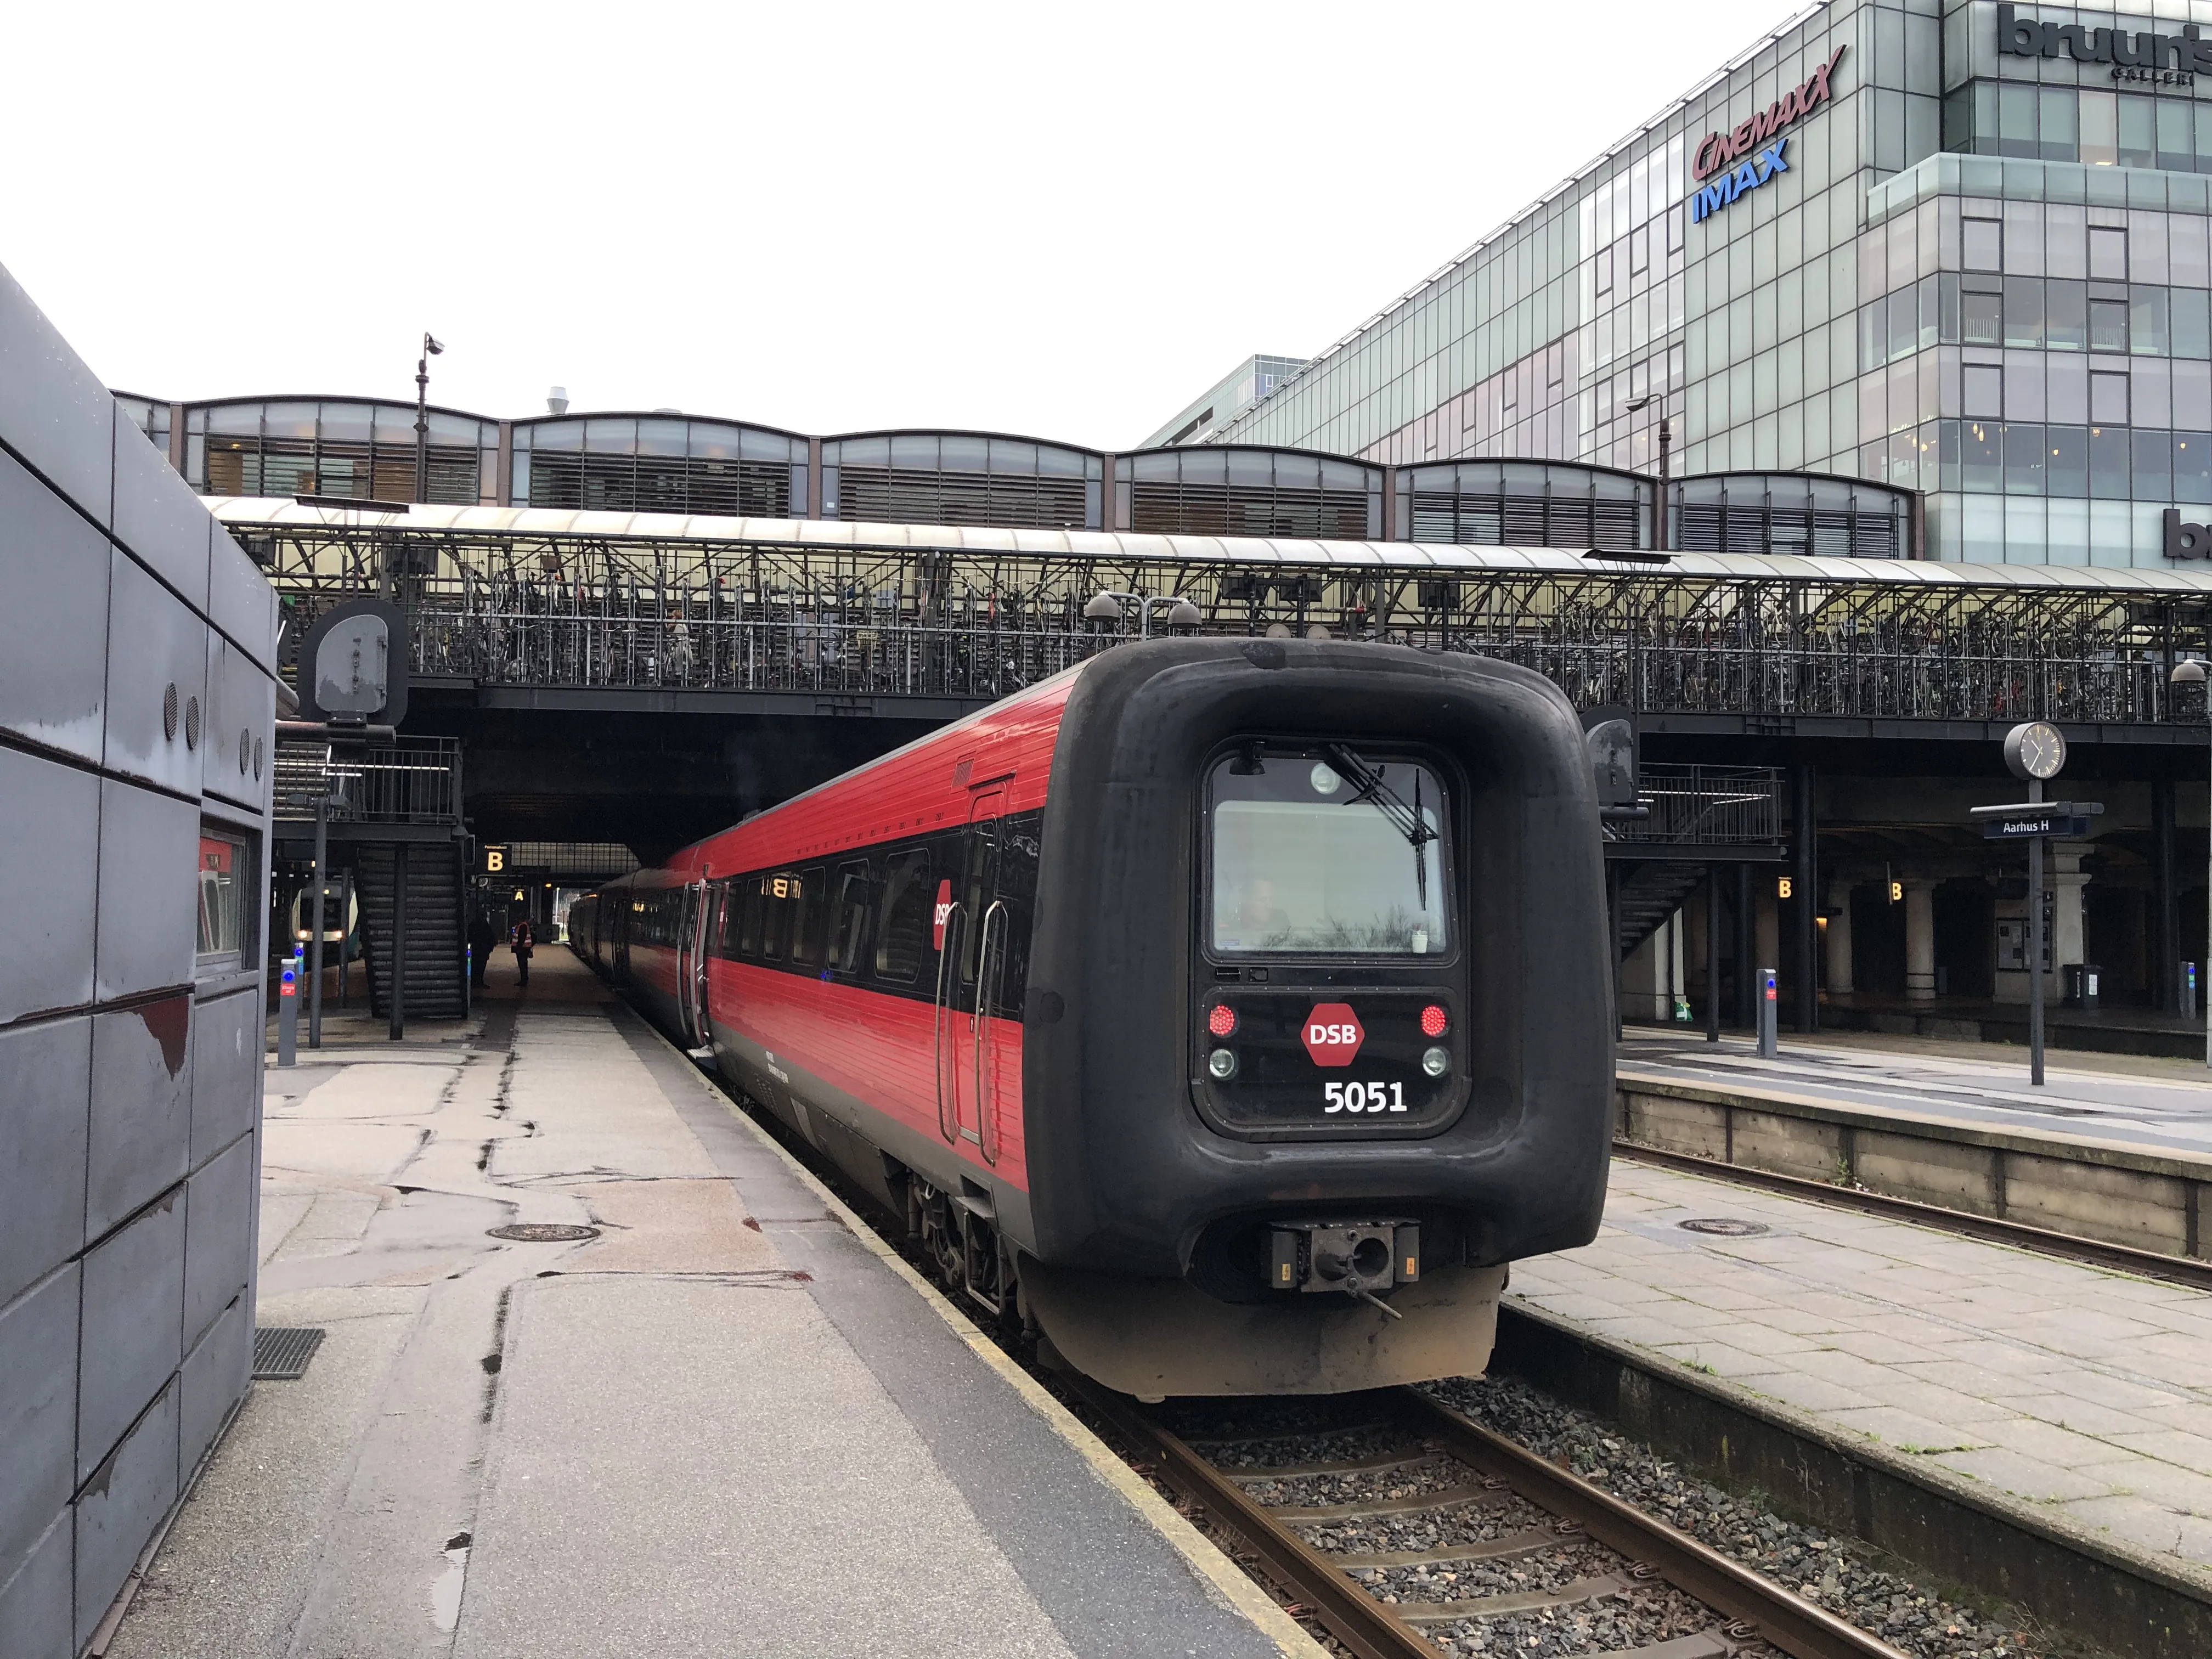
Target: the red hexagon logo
(1333, 1034)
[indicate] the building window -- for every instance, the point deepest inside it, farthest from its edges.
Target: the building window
(2108, 253)
(226, 879)
(2108, 400)
(1982, 244)
(2108, 324)
(1982, 390)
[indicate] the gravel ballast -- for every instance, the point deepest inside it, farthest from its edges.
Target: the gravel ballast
(1832, 1572)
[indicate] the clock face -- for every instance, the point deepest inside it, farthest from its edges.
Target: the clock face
(2035, 750)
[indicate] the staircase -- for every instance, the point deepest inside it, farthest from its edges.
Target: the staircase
(1651, 891)
(436, 975)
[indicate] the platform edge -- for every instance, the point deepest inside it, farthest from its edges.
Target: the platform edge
(1229, 1582)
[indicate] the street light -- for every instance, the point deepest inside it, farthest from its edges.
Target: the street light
(430, 348)
(2192, 672)
(1106, 606)
(1666, 441)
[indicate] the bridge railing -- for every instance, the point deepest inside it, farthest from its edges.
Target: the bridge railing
(411, 780)
(977, 622)
(1706, 806)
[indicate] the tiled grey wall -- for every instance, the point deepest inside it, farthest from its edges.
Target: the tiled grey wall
(138, 651)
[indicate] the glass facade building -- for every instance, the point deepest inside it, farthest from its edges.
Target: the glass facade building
(1945, 245)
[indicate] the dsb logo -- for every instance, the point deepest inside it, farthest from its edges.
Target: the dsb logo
(1333, 1034)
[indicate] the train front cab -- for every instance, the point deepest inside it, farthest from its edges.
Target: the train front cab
(1318, 1035)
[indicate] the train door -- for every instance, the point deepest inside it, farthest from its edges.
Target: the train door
(973, 931)
(691, 962)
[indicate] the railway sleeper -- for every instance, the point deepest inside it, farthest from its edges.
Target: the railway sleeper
(1450, 1498)
(1493, 1549)
(1374, 1465)
(1594, 1589)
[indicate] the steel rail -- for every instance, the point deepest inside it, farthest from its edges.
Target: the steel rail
(1787, 1622)
(1355, 1619)
(1992, 1229)
(1764, 1610)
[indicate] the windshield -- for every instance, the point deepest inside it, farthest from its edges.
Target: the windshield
(1307, 859)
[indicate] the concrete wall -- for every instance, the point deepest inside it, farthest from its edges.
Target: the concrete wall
(137, 647)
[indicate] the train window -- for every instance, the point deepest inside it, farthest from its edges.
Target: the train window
(856, 892)
(779, 897)
(978, 889)
(722, 936)
(226, 873)
(1327, 851)
(903, 938)
(1017, 876)
(748, 917)
(810, 915)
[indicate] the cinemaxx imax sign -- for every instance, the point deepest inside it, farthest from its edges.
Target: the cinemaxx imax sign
(1747, 157)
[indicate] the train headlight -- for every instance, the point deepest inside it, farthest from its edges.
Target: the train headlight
(1437, 1062)
(1222, 1062)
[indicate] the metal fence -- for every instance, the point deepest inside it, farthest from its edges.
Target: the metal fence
(409, 780)
(891, 621)
(1706, 806)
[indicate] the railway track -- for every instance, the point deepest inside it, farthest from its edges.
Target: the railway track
(1995, 1229)
(1403, 1528)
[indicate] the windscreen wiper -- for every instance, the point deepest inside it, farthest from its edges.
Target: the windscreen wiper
(1367, 785)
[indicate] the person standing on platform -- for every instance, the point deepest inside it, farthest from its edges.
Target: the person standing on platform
(482, 937)
(524, 942)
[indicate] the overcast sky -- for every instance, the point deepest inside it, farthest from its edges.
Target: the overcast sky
(1060, 221)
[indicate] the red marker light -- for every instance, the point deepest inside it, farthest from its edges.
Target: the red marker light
(1434, 1020)
(1222, 1020)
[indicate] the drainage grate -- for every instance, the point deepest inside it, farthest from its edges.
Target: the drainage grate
(1726, 1225)
(542, 1232)
(281, 1355)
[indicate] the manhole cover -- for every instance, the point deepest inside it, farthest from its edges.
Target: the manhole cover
(542, 1232)
(1727, 1226)
(281, 1355)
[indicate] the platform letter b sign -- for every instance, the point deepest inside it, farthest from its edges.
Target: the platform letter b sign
(2186, 541)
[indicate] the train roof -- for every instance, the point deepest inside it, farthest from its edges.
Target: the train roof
(827, 535)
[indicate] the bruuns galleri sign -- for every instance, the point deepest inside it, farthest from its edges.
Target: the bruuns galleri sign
(2135, 55)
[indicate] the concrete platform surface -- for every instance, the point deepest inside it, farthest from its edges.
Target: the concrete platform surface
(729, 1424)
(2075, 1393)
(2155, 1103)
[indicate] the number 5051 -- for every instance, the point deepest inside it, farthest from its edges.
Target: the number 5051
(1363, 1098)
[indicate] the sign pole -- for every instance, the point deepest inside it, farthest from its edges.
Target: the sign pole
(315, 938)
(2035, 946)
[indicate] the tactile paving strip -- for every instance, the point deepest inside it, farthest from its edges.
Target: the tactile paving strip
(280, 1354)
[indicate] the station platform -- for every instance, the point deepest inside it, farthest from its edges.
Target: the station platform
(2078, 1399)
(2150, 1101)
(734, 1422)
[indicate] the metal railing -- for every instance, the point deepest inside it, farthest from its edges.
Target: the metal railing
(410, 779)
(1706, 806)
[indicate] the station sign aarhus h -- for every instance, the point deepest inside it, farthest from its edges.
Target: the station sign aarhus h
(1752, 153)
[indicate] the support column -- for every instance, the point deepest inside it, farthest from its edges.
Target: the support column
(1746, 947)
(1805, 831)
(1919, 940)
(1837, 936)
(2165, 917)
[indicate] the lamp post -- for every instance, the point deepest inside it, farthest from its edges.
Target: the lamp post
(1106, 606)
(2192, 672)
(430, 348)
(1666, 442)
